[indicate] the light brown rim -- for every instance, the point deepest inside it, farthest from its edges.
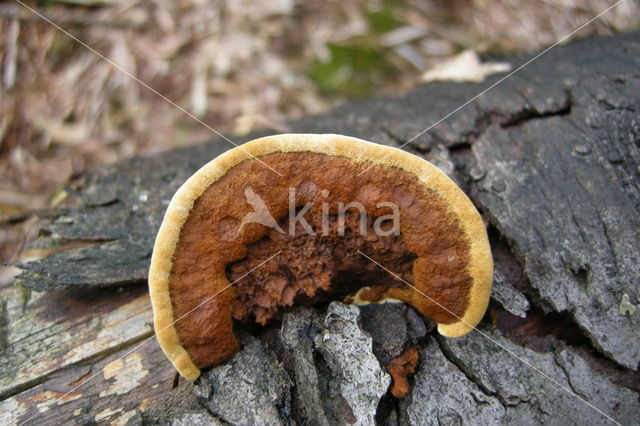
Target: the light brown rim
(480, 265)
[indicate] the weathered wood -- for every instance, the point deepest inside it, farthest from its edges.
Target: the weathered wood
(551, 156)
(111, 390)
(47, 332)
(55, 341)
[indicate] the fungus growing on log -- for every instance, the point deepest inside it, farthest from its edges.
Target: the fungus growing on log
(400, 368)
(298, 219)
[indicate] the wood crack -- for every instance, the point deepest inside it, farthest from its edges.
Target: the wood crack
(450, 356)
(86, 361)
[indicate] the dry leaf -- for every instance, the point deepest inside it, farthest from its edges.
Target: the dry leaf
(465, 66)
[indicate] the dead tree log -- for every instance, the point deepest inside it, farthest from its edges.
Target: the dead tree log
(551, 157)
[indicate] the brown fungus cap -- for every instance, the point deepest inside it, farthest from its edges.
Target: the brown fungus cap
(213, 234)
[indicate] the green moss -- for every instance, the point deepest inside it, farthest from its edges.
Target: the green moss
(352, 71)
(384, 19)
(357, 67)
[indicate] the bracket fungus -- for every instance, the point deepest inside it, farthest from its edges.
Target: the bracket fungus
(298, 219)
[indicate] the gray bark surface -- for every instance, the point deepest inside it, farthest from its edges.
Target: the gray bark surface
(320, 368)
(551, 157)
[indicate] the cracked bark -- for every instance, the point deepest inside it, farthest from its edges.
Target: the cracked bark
(464, 369)
(550, 157)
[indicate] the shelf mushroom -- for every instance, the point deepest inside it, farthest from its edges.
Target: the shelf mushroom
(303, 219)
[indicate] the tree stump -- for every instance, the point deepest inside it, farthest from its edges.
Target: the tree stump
(550, 156)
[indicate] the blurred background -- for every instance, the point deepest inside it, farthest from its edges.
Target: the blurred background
(237, 65)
